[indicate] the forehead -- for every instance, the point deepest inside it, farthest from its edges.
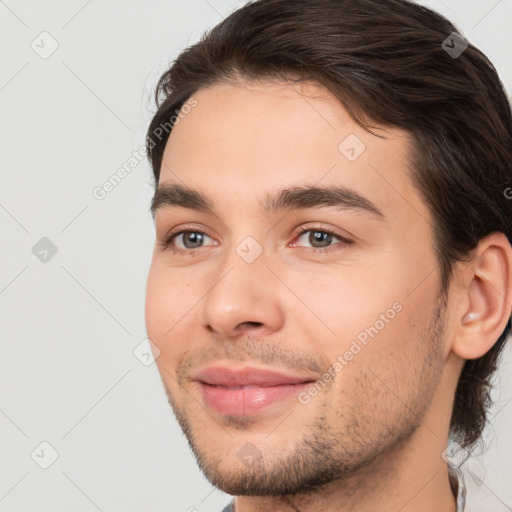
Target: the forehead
(255, 138)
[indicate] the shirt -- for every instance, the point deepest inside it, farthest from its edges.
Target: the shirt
(456, 483)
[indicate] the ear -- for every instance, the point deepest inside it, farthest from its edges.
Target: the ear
(485, 297)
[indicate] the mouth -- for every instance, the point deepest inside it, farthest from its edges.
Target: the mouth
(247, 390)
(248, 386)
(246, 400)
(235, 387)
(247, 376)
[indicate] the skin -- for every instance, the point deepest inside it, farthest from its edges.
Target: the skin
(376, 432)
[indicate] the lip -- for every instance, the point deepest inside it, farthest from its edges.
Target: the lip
(221, 375)
(247, 390)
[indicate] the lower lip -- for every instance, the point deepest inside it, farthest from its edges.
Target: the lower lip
(247, 400)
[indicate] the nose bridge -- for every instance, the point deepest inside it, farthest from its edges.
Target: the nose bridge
(242, 291)
(246, 259)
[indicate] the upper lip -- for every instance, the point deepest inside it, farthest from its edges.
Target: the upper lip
(247, 376)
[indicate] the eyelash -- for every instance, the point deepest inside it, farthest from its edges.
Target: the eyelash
(166, 244)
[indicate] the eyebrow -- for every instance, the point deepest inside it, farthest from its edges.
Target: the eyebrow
(170, 194)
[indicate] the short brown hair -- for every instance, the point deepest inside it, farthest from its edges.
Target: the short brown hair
(386, 63)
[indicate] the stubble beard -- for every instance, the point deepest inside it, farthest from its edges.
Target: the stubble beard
(322, 456)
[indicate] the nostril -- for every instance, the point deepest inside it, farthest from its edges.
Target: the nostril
(249, 324)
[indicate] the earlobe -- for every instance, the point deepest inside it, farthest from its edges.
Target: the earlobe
(488, 297)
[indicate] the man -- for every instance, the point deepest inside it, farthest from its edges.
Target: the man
(331, 287)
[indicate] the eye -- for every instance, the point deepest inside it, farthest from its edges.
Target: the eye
(321, 239)
(185, 241)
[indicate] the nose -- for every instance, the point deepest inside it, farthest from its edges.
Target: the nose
(243, 298)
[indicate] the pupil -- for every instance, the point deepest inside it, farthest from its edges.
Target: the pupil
(194, 237)
(319, 236)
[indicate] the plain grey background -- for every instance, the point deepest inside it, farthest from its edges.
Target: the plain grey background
(76, 85)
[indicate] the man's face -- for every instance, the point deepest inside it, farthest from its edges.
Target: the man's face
(249, 290)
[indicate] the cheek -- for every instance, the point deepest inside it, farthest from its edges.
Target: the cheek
(166, 316)
(373, 316)
(169, 305)
(349, 300)
(384, 376)
(156, 297)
